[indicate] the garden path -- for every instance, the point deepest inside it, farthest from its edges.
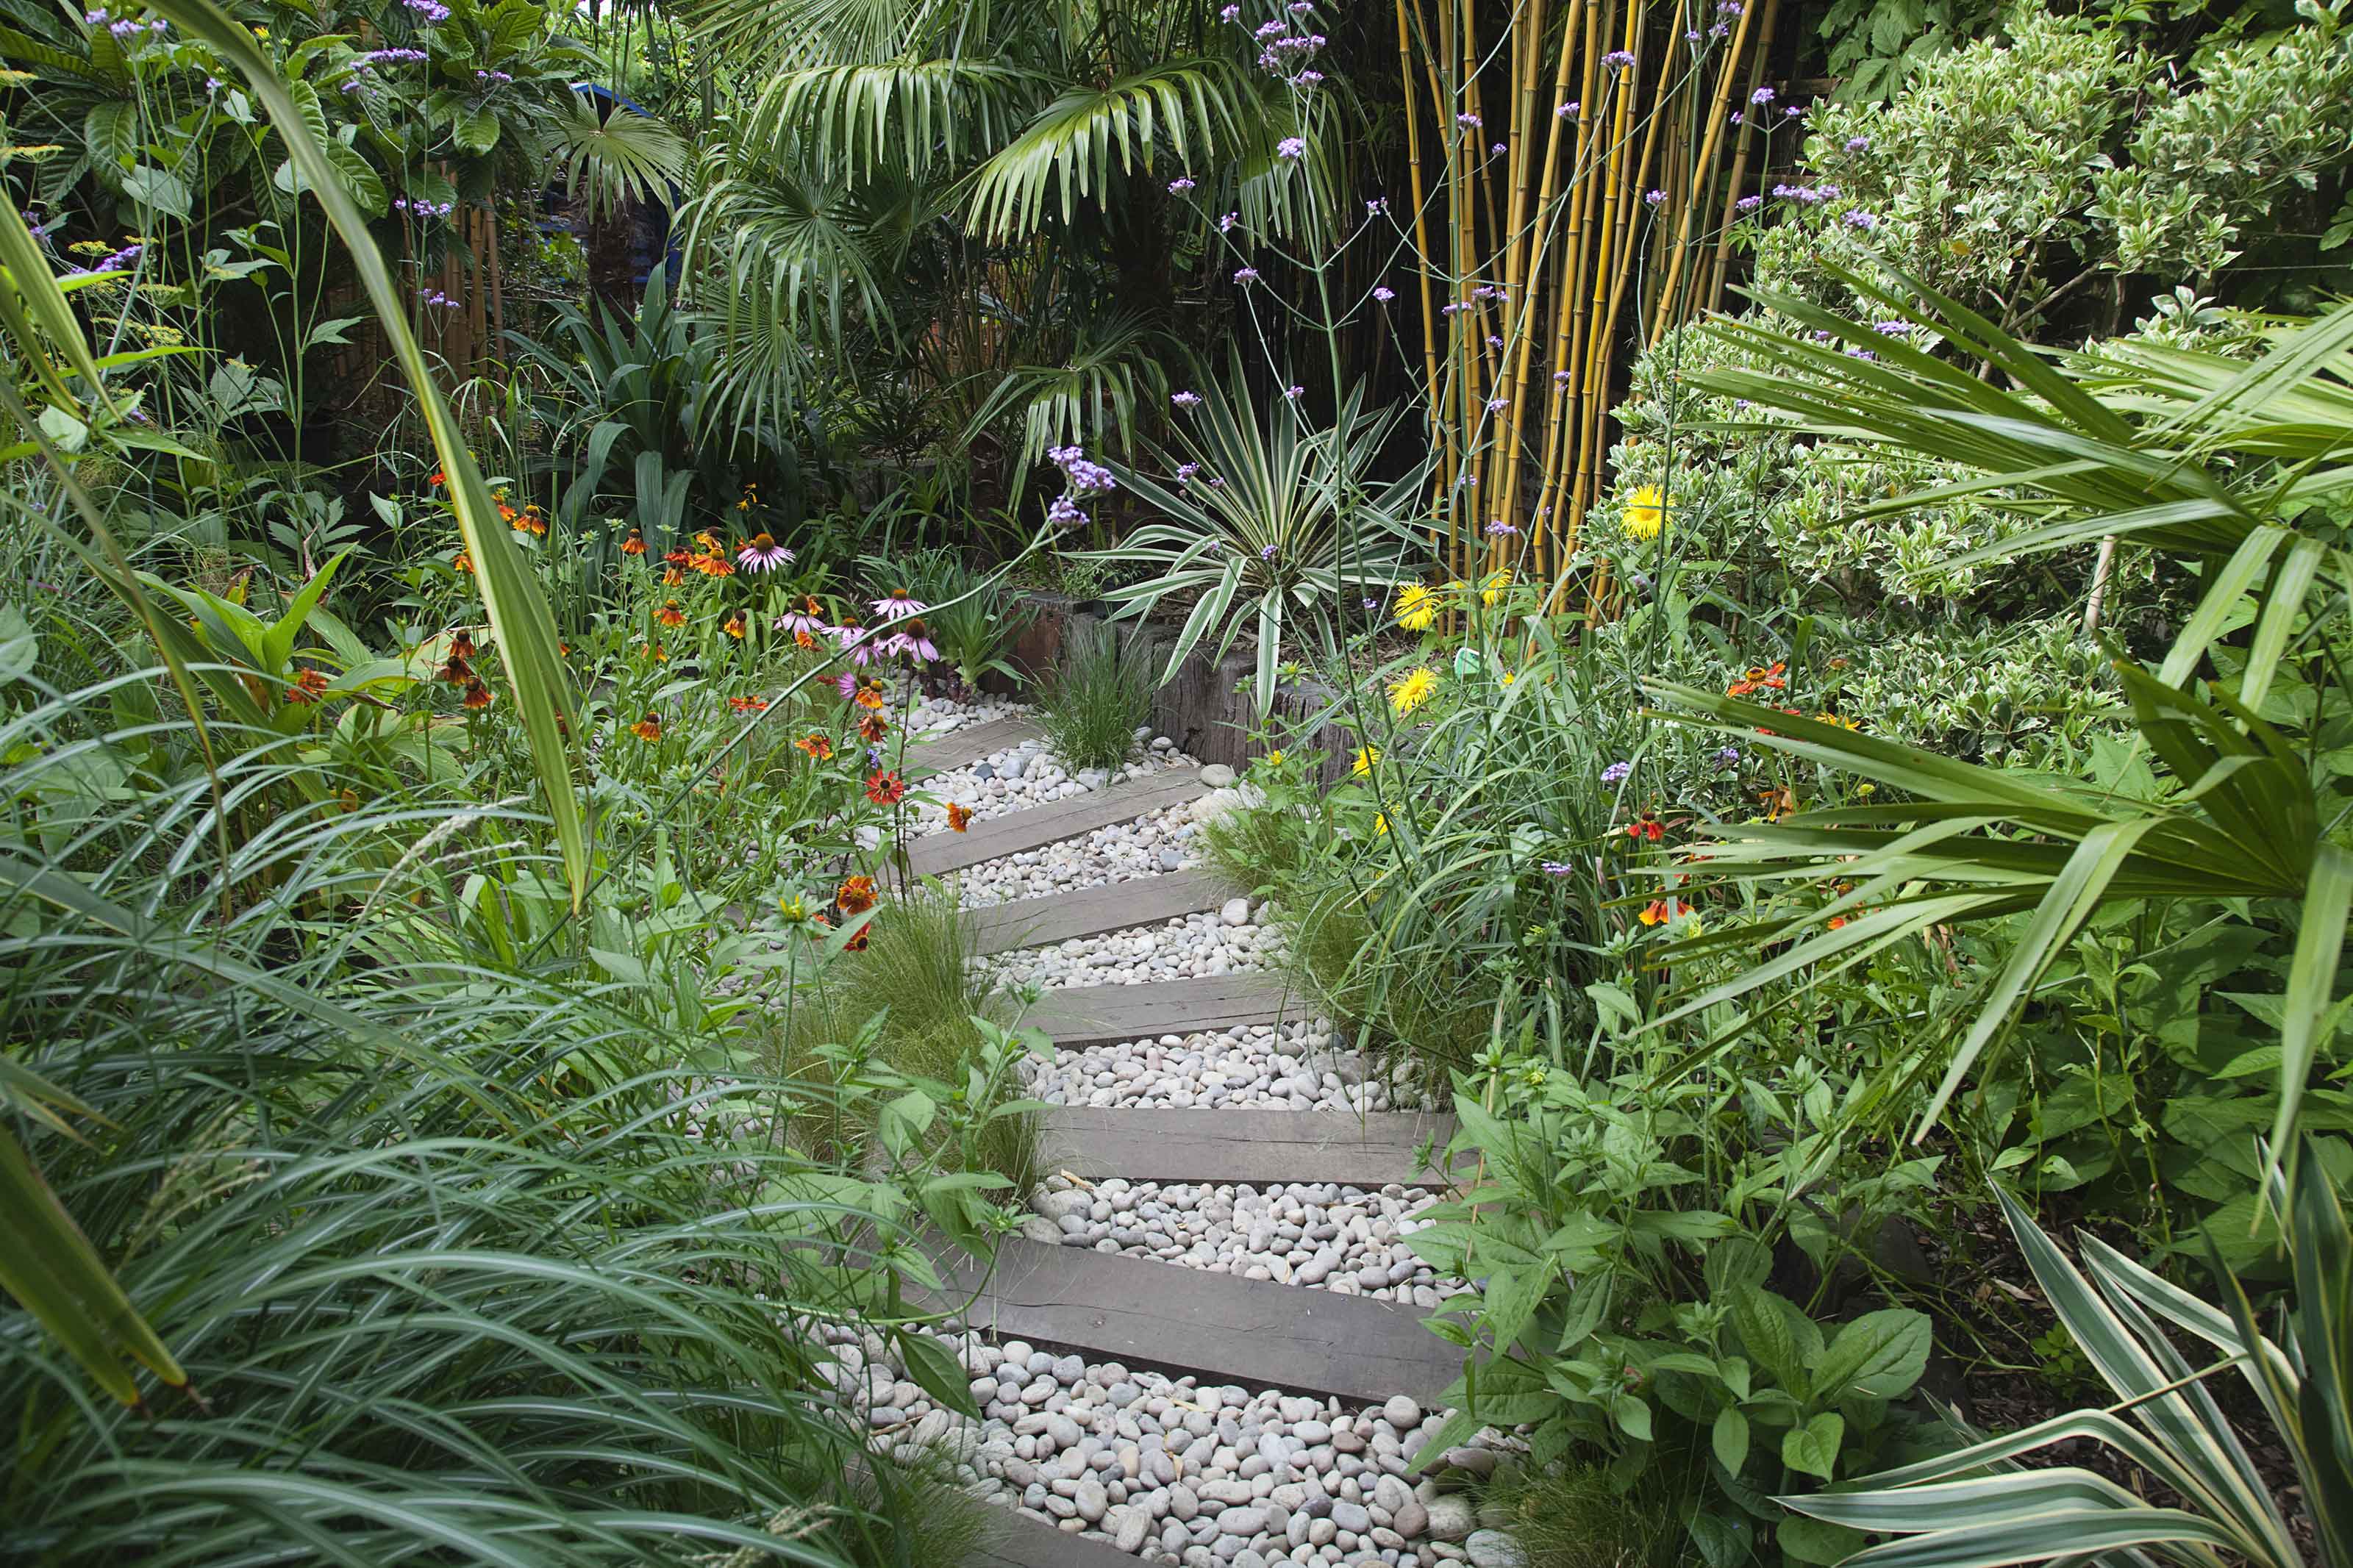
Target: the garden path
(1346, 1383)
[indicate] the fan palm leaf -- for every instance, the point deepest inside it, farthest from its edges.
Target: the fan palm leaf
(1089, 399)
(907, 115)
(1078, 144)
(616, 156)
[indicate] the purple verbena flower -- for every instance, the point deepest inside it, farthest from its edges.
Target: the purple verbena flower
(1616, 773)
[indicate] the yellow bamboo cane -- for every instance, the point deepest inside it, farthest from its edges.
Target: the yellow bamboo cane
(1706, 167)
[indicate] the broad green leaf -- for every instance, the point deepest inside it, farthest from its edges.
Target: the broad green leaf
(1729, 1438)
(933, 1367)
(1881, 1354)
(1812, 1449)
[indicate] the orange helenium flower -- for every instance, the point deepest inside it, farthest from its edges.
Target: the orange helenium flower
(873, 728)
(670, 615)
(959, 816)
(885, 788)
(734, 626)
(647, 729)
(635, 544)
(817, 746)
(478, 696)
(308, 687)
(856, 895)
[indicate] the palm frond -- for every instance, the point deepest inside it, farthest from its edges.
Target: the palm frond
(1078, 144)
(907, 114)
(1090, 398)
(617, 155)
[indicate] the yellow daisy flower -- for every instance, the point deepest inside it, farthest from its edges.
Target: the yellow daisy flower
(1380, 823)
(1646, 514)
(1412, 692)
(1417, 607)
(1493, 589)
(1365, 757)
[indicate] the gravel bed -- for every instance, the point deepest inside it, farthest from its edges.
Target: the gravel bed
(937, 718)
(1293, 1066)
(1229, 940)
(1162, 840)
(1028, 776)
(1176, 1470)
(1352, 1241)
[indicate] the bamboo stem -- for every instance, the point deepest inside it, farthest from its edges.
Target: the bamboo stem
(1704, 170)
(1747, 139)
(1446, 469)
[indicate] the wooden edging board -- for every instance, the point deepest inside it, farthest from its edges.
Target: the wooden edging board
(961, 748)
(1254, 1146)
(1077, 1016)
(1021, 1542)
(1093, 911)
(936, 854)
(1256, 1332)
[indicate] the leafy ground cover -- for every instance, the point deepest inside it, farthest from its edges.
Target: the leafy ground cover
(1823, 528)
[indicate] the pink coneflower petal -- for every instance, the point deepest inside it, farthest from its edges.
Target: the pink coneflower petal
(763, 554)
(915, 648)
(898, 602)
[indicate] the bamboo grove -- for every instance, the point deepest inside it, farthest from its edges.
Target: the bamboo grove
(1574, 173)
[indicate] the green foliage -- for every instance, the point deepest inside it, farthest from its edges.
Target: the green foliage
(1979, 1505)
(909, 1013)
(636, 421)
(1622, 1311)
(973, 626)
(1876, 44)
(1091, 704)
(1269, 524)
(2238, 808)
